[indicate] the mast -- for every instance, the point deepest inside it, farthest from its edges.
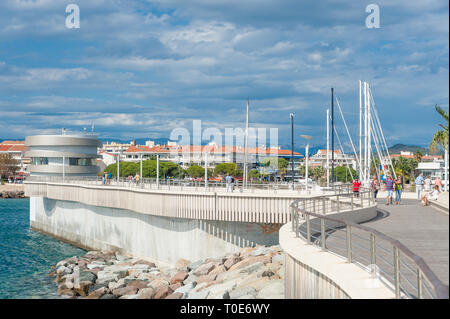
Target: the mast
(246, 147)
(369, 148)
(360, 132)
(332, 135)
(328, 148)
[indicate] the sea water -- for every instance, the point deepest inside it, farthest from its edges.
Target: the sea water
(26, 256)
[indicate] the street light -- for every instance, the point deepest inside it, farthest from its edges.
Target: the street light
(308, 138)
(291, 115)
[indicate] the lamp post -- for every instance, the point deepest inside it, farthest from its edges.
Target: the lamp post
(308, 138)
(291, 115)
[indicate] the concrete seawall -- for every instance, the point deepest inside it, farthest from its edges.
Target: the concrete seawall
(160, 238)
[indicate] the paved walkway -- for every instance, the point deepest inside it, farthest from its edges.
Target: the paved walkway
(424, 230)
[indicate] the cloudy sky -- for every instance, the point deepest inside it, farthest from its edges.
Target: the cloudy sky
(142, 68)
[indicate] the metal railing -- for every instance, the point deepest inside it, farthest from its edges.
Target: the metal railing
(386, 259)
(191, 185)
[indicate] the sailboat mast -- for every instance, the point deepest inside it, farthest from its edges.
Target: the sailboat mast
(246, 147)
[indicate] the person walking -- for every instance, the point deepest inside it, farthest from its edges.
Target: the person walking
(438, 182)
(356, 186)
(389, 187)
(109, 177)
(419, 186)
(137, 178)
(427, 184)
(230, 183)
(375, 186)
(398, 190)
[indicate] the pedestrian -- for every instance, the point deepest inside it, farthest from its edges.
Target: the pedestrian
(130, 179)
(389, 186)
(109, 177)
(438, 182)
(137, 178)
(432, 195)
(356, 186)
(103, 178)
(398, 190)
(230, 187)
(419, 186)
(427, 184)
(375, 186)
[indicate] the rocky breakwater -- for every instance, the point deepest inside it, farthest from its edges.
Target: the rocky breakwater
(253, 273)
(12, 194)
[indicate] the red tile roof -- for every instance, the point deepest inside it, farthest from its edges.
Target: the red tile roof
(425, 157)
(4, 148)
(12, 143)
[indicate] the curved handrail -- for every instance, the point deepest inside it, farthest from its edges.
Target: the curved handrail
(423, 270)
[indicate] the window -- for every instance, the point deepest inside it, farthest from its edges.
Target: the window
(39, 161)
(81, 161)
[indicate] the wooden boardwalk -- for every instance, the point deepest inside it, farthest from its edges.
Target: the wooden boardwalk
(424, 230)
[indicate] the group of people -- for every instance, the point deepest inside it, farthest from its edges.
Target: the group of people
(106, 178)
(133, 179)
(426, 191)
(424, 188)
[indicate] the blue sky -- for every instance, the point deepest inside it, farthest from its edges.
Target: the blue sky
(142, 68)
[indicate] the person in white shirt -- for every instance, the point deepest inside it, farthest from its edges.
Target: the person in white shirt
(427, 184)
(434, 195)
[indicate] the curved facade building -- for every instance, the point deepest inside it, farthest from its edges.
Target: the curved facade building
(58, 155)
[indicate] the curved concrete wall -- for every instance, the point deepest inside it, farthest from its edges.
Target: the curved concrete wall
(163, 239)
(315, 274)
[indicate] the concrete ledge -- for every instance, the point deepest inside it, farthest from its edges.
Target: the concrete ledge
(337, 277)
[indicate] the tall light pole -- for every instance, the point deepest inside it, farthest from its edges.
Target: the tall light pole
(206, 171)
(140, 170)
(332, 135)
(292, 147)
(157, 171)
(118, 167)
(328, 148)
(308, 138)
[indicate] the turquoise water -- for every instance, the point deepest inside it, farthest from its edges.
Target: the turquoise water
(26, 256)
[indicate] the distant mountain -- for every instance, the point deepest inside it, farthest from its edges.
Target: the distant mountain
(397, 148)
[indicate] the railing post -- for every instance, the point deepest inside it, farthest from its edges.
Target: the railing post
(323, 206)
(292, 217)
(296, 220)
(348, 237)
(396, 273)
(323, 234)
(338, 203)
(352, 201)
(308, 229)
(419, 284)
(373, 258)
(362, 203)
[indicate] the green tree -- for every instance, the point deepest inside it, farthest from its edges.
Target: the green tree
(418, 155)
(254, 174)
(342, 174)
(227, 169)
(166, 169)
(317, 172)
(440, 138)
(195, 171)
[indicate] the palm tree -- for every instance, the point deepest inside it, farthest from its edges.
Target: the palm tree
(418, 155)
(440, 138)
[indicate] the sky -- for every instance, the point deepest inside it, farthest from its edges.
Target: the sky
(140, 69)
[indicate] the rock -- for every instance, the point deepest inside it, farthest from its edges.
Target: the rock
(135, 296)
(159, 283)
(182, 263)
(251, 260)
(163, 292)
(66, 292)
(63, 270)
(87, 276)
(179, 277)
(61, 263)
(125, 291)
(82, 263)
(244, 252)
(273, 290)
(82, 288)
(198, 295)
(190, 279)
(146, 277)
(98, 286)
(96, 294)
(260, 251)
(108, 296)
(116, 284)
(245, 291)
(175, 295)
(206, 278)
(146, 293)
(204, 269)
(281, 272)
(139, 284)
(92, 266)
(221, 291)
(195, 265)
(231, 261)
(218, 270)
(253, 281)
(186, 289)
(267, 273)
(253, 267)
(145, 262)
(175, 286)
(278, 259)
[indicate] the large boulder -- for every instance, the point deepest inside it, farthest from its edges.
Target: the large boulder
(205, 269)
(163, 292)
(96, 294)
(175, 295)
(274, 289)
(146, 293)
(182, 264)
(179, 277)
(125, 291)
(82, 288)
(251, 260)
(231, 261)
